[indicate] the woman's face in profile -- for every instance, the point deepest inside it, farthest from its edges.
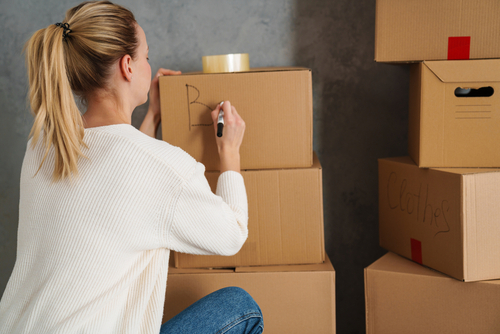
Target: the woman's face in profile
(142, 68)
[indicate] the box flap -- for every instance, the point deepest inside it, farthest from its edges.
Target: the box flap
(401, 160)
(460, 171)
(257, 70)
(326, 266)
(173, 270)
(392, 262)
(316, 163)
(487, 70)
(468, 171)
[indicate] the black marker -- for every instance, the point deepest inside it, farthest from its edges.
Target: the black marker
(220, 121)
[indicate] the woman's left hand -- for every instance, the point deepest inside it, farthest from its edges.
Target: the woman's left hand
(154, 91)
(153, 117)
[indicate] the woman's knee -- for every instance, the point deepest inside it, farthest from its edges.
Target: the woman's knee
(247, 315)
(239, 297)
(229, 310)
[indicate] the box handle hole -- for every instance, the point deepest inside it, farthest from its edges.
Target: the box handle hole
(473, 92)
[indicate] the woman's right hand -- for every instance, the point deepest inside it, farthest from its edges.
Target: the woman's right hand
(232, 137)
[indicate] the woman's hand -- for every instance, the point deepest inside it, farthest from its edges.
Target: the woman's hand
(232, 137)
(154, 91)
(153, 117)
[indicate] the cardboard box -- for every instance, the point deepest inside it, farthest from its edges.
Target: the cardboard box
(446, 219)
(446, 130)
(404, 297)
(285, 225)
(414, 30)
(293, 299)
(275, 103)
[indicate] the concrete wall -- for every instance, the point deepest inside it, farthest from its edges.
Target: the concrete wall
(360, 107)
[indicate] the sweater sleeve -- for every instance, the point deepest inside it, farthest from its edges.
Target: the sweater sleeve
(207, 223)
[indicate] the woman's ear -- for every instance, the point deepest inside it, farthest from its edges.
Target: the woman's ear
(126, 67)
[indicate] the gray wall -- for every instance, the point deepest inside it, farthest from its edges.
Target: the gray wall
(360, 107)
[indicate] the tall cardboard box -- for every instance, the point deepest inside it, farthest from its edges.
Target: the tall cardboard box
(275, 103)
(446, 218)
(415, 30)
(404, 297)
(454, 118)
(285, 224)
(293, 299)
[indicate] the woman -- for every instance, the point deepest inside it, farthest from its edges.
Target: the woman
(102, 203)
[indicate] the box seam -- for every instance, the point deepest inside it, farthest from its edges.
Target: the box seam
(367, 308)
(463, 221)
(322, 230)
(280, 215)
(420, 122)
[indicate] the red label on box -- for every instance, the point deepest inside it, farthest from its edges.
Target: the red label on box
(416, 251)
(458, 47)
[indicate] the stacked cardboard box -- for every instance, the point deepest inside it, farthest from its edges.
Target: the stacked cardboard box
(405, 297)
(413, 31)
(293, 298)
(283, 179)
(439, 207)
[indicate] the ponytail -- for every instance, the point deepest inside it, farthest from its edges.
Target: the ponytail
(74, 57)
(52, 101)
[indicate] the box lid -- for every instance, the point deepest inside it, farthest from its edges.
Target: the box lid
(487, 70)
(461, 171)
(393, 263)
(325, 266)
(256, 70)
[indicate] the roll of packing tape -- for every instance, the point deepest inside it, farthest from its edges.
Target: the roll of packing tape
(236, 62)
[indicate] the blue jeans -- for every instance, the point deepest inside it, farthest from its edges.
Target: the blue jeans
(229, 310)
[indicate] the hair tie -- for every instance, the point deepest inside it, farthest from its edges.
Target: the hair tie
(66, 28)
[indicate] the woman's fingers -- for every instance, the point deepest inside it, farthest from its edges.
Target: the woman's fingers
(165, 71)
(234, 125)
(215, 115)
(228, 112)
(161, 71)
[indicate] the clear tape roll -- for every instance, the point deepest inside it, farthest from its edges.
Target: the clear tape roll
(235, 62)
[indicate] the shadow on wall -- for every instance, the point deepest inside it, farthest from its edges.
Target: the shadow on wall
(360, 115)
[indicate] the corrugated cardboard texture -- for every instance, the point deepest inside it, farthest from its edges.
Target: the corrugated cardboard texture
(404, 297)
(450, 131)
(452, 214)
(298, 301)
(276, 105)
(423, 205)
(481, 212)
(285, 209)
(419, 30)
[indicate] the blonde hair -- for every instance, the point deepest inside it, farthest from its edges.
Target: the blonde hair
(80, 63)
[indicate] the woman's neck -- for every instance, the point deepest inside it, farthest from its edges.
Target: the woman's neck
(106, 111)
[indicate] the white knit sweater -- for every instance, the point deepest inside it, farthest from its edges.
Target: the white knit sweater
(92, 254)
